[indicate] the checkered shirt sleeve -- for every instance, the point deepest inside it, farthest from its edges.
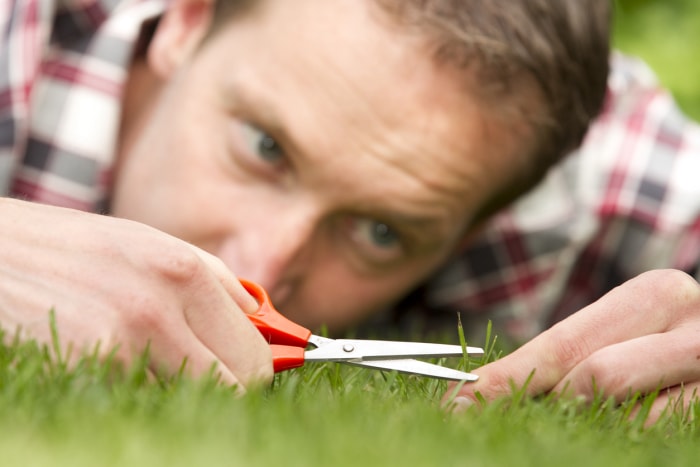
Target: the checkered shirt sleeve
(626, 202)
(63, 66)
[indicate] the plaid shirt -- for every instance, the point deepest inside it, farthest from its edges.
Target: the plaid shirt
(627, 201)
(63, 67)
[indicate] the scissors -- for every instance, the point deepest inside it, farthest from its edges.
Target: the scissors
(288, 342)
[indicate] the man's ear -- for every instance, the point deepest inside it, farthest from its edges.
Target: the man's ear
(179, 32)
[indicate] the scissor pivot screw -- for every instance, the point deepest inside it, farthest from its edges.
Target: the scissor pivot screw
(348, 347)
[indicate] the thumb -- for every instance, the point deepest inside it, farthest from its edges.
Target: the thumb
(536, 367)
(498, 379)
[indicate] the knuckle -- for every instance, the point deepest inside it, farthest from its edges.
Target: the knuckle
(674, 290)
(144, 317)
(492, 385)
(671, 282)
(685, 287)
(501, 384)
(178, 264)
(599, 373)
(567, 350)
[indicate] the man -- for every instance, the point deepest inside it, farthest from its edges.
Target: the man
(337, 152)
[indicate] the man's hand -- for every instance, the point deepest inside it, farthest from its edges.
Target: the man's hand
(642, 336)
(121, 283)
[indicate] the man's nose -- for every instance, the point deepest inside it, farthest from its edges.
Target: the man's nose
(274, 250)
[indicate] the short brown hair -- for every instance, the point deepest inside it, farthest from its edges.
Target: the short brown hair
(561, 46)
(558, 47)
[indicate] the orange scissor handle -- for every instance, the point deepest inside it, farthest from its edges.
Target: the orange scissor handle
(272, 325)
(286, 357)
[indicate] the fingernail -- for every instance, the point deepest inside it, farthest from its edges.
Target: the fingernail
(461, 404)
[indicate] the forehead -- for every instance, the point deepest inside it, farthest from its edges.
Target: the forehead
(363, 99)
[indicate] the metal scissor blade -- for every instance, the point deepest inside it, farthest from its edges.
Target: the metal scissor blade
(416, 367)
(342, 350)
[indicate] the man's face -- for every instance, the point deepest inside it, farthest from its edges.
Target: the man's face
(317, 151)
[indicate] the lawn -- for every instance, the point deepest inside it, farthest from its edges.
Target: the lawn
(666, 34)
(337, 415)
(322, 414)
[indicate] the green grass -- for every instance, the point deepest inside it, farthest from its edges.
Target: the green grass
(322, 414)
(666, 34)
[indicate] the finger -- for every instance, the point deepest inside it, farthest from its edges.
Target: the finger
(677, 400)
(206, 311)
(237, 345)
(227, 278)
(188, 355)
(220, 324)
(644, 365)
(172, 344)
(639, 307)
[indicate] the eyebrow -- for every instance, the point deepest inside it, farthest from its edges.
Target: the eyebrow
(426, 231)
(262, 114)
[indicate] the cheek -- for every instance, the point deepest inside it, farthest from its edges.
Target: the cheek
(338, 299)
(169, 199)
(168, 182)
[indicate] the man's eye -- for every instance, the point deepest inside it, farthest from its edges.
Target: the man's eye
(381, 234)
(262, 144)
(375, 240)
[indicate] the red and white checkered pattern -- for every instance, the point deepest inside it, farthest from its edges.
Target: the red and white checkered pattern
(63, 66)
(626, 202)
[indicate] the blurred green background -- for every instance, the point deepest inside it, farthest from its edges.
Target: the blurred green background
(666, 34)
